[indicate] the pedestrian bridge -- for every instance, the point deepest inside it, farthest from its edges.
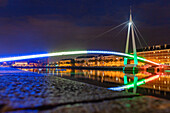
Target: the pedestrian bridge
(130, 56)
(84, 52)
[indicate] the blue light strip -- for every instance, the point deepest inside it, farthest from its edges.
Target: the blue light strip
(41, 55)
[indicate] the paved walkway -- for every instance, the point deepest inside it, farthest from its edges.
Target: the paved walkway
(22, 91)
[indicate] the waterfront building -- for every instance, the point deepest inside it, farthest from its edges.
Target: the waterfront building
(20, 64)
(53, 64)
(157, 53)
(110, 60)
(100, 60)
(86, 61)
(66, 62)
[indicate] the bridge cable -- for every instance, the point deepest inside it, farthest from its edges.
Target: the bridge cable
(138, 38)
(120, 32)
(108, 31)
(140, 34)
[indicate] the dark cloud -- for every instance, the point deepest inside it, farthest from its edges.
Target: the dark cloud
(3, 3)
(154, 13)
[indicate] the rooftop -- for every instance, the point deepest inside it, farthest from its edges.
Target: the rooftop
(154, 47)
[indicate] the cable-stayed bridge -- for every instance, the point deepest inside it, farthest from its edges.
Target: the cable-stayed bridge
(131, 28)
(127, 56)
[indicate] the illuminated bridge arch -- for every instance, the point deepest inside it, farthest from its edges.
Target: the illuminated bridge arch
(75, 53)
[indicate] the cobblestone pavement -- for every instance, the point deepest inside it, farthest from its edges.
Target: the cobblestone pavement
(22, 91)
(142, 104)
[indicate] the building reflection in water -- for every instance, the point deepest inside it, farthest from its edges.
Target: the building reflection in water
(162, 84)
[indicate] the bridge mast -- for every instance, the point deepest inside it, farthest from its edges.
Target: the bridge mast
(130, 28)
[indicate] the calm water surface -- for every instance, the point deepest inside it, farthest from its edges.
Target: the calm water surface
(158, 87)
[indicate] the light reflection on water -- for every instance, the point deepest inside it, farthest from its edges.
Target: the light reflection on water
(162, 84)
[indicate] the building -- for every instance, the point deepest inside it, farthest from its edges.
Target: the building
(157, 53)
(100, 60)
(86, 61)
(52, 64)
(21, 64)
(110, 60)
(66, 62)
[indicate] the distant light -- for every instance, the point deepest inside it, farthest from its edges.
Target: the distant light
(130, 23)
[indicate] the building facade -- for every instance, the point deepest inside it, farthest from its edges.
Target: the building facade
(86, 61)
(66, 62)
(157, 53)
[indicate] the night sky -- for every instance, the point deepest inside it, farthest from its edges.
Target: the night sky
(38, 26)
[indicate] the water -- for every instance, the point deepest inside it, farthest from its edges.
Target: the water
(159, 87)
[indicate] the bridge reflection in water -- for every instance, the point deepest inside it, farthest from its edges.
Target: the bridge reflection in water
(158, 87)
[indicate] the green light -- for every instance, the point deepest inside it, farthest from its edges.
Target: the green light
(167, 70)
(125, 80)
(135, 59)
(125, 61)
(138, 84)
(131, 85)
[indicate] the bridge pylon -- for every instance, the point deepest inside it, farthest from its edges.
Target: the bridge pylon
(131, 28)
